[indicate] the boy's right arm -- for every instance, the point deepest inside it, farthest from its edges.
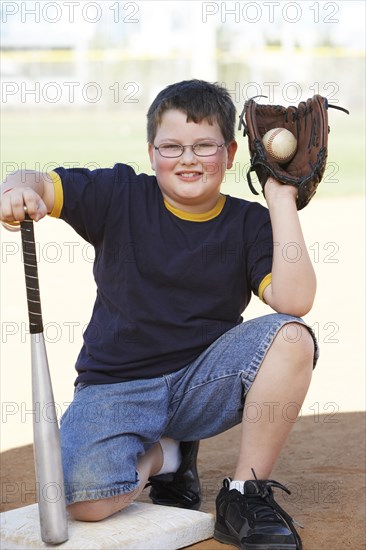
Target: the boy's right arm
(28, 188)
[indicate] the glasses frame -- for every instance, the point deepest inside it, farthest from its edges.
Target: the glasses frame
(183, 147)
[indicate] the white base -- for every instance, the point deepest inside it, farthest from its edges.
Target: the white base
(139, 527)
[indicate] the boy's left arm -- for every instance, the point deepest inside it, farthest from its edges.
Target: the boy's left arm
(293, 286)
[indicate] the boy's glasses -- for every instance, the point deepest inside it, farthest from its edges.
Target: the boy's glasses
(200, 149)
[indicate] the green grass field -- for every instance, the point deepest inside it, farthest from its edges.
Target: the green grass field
(45, 139)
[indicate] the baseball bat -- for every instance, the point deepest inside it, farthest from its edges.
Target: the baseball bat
(46, 436)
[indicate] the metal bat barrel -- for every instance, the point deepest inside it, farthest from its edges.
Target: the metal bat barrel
(47, 447)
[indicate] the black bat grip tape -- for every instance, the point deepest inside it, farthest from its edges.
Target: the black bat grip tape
(31, 276)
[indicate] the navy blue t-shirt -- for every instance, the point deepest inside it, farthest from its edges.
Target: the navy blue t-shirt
(167, 287)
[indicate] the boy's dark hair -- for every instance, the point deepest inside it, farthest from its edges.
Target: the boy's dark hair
(200, 100)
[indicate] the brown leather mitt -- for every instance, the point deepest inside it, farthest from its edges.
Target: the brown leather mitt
(308, 122)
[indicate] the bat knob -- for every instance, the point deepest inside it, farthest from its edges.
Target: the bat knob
(11, 226)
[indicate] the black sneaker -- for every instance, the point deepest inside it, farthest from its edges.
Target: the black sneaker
(182, 488)
(254, 520)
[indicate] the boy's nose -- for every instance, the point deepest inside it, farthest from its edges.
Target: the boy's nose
(188, 155)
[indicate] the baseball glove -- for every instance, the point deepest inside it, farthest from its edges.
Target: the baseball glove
(308, 122)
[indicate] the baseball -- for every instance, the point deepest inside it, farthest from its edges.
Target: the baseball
(281, 144)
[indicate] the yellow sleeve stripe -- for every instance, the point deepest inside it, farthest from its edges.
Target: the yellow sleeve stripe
(59, 195)
(263, 285)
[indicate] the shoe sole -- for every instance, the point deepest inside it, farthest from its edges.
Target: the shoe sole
(228, 539)
(176, 504)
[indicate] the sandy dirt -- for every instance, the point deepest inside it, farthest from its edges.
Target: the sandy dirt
(322, 464)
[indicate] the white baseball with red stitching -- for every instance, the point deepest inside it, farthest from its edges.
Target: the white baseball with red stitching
(281, 144)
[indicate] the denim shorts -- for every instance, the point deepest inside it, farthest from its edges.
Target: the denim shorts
(108, 426)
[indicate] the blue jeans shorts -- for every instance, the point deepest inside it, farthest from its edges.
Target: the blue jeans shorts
(107, 427)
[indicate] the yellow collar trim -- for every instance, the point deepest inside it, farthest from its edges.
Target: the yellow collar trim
(202, 217)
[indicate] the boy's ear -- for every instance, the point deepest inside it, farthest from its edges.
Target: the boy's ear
(231, 150)
(151, 155)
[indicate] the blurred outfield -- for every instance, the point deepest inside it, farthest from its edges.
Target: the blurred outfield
(42, 139)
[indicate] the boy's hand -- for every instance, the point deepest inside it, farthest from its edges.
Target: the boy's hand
(25, 188)
(275, 192)
(13, 201)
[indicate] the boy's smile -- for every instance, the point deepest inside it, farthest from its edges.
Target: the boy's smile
(185, 175)
(190, 182)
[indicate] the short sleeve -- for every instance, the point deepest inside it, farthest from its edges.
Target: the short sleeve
(86, 196)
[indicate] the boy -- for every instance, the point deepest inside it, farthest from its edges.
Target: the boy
(166, 359)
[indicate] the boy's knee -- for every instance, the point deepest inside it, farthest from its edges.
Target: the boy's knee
(86, 511)
(96, 510)
(296, 340)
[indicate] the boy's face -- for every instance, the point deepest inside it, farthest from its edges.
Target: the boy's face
(190, 182)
